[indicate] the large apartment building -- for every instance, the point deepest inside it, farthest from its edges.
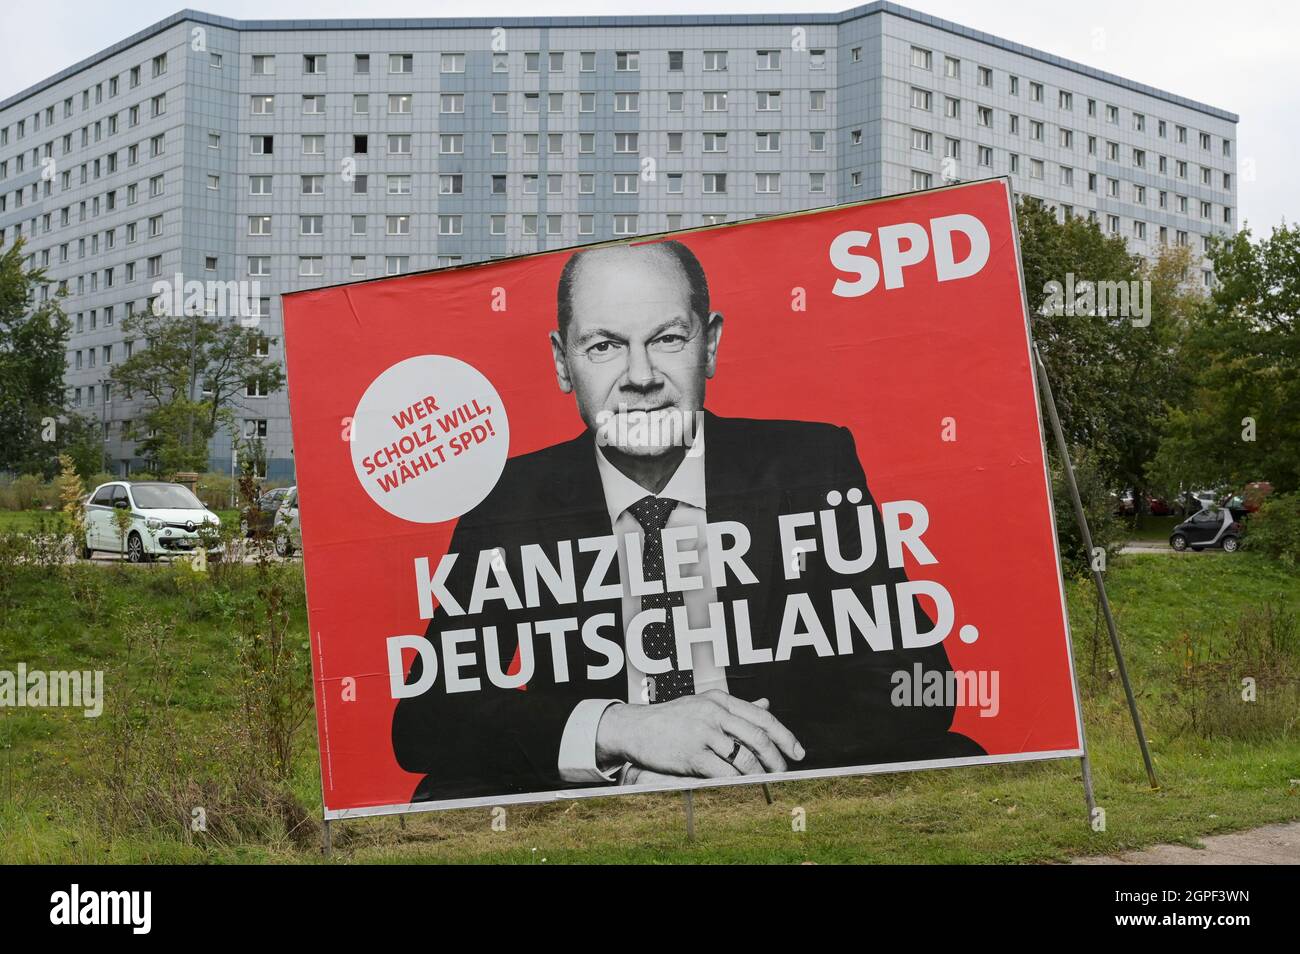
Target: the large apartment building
(301, 153)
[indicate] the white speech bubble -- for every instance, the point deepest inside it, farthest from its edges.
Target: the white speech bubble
(429, 438)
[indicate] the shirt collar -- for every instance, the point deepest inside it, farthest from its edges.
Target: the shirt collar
(686, 485)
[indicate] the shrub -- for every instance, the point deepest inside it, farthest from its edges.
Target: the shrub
(1275, 530)
(215, 490)
(1106, 530)
(29, 492)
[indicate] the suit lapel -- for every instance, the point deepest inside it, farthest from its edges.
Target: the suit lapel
(741, 488)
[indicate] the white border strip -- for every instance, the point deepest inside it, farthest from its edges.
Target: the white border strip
(530, 798)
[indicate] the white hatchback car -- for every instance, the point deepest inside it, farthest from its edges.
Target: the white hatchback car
(165, 518)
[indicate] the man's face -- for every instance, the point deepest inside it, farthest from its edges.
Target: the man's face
(633, 345)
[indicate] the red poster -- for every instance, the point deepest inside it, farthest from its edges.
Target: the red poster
(751, 502)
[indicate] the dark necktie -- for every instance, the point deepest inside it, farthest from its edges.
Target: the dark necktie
(660, 640)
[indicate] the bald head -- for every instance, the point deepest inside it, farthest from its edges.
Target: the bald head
(670, 265)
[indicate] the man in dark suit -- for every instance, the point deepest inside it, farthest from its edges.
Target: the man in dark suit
(636, 342)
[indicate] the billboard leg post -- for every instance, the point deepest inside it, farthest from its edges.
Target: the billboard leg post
(1085, 766)
(1079, 515)
(326, 839)
(688, 799)
(767, 792)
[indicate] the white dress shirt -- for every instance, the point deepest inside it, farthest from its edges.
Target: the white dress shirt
(577, 761)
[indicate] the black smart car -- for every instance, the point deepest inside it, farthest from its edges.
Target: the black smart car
(1211, 527)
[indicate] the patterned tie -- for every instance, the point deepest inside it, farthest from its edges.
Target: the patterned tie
(660, 640)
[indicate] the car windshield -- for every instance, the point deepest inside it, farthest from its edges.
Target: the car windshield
(165, 497)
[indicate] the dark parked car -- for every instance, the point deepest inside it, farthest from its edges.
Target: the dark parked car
(264, 513)
(1212, 527)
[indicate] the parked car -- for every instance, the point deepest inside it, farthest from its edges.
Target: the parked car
(1249, 500)
(1211, 527)
(1125, 505)
(165, 518)
(1158, 506)
(287, 531)
(263, 515)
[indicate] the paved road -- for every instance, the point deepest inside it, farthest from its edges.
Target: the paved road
(1146, 546)
(1270, 845)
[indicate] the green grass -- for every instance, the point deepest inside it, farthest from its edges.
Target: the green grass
(22, 521)
(1021, 813)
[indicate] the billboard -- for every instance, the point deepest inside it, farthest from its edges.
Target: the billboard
(750, 502)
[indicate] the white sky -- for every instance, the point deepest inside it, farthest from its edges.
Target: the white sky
(1237, 55)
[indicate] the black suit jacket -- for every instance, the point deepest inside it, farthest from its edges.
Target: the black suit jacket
(500, 741)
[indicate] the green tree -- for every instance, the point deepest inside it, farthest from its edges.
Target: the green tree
(33, 355)
(1112, 369)
(81, 439)
(191, 372)
(1240, 421)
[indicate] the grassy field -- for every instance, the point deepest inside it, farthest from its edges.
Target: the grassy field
(21, 521)
(1243, 775)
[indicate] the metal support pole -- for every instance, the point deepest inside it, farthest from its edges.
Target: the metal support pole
(1096, 574)
(688, 798)
(326, 839)
(767, 792)
(1085, 766)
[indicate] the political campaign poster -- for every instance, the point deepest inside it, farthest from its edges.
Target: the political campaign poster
(745, 503)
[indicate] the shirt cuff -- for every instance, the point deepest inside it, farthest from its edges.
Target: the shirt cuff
(577, 762)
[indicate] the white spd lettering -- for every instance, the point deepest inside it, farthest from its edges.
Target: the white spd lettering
(904, 246)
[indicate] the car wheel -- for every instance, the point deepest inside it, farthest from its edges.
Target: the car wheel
(1178, 542)
(86, 552)
(1231, 544)
(283, 547)
(135, 549)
